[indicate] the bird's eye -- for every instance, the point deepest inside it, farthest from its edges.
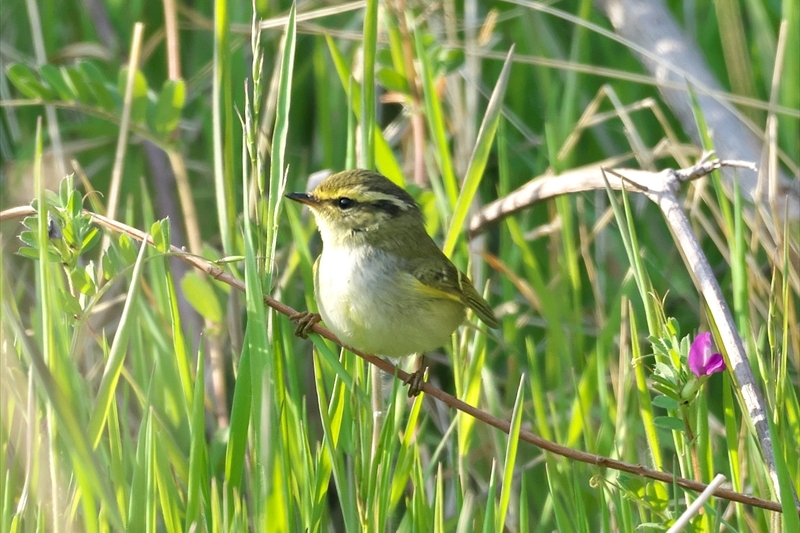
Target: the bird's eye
(346, 203)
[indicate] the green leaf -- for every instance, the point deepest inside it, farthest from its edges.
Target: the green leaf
(167, 112)
(118, 257)
(480, 156)
(240, 420)
(116, 357)
(98, 85)
(511, 457)
(665, 402)
(384, 158)
(280, 136)
(669, 422)
(383, 57)
(90, 240)
(74, 78)
(660, 346)
(435, 118)
(82, 281)
(65, 191)
(70, 304)
(392, 80)
(29, 237)
(657, 496)
(160, 232)
(673, 327)
(201, 295)
(112, 263)
(74, 203)
(667, 390)
(665, 372)
(450, 60)
(29, 253)
(368, 48)
(54, 77)
(198, 455)
(26, 81)
(489, 519)
(139, 97)
(634, 485)
(31, 250)
(128, 249)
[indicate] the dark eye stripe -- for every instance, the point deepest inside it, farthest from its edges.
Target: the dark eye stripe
(387, 206)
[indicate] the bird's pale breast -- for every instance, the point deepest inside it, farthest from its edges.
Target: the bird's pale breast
(372, 305)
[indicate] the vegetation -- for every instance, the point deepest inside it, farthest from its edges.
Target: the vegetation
(149, 388)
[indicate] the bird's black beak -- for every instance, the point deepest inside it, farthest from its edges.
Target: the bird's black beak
(302, 197)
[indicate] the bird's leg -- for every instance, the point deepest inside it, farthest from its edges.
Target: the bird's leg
(417, 378)
(305, 321)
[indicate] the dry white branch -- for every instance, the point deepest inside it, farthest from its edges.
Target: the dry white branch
(693, 509)
(661, 188)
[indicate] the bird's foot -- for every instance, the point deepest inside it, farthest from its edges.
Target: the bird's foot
(305, 321)
(416, 379)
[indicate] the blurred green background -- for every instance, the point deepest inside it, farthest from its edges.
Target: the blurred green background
(146, 396)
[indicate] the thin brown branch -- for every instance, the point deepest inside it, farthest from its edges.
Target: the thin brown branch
(503, 425)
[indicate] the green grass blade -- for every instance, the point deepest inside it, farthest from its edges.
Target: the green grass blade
(222, 122)
(489, 519)
(116, 357)
(368, 93)
(625, 221)
(180, 349)
(240, 419)
(279, 138)
(385, 161)
(786, 490)
(141, 515)
(436, 121)
(480, 156)
(438, 505)
(511, 457)
(197, 498)
(643, 393)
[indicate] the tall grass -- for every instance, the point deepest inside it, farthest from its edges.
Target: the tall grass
(136, 396)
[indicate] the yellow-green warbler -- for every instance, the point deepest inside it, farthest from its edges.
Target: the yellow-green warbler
(381, 283)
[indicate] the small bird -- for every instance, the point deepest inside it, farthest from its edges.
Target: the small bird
(382, 284)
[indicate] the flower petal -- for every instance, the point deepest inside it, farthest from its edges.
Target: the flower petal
(715, 363)
(699, 353)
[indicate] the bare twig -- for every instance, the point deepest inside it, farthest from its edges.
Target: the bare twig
(586, 179)
(693, 509)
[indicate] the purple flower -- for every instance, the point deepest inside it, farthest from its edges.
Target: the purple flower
(702, 361)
